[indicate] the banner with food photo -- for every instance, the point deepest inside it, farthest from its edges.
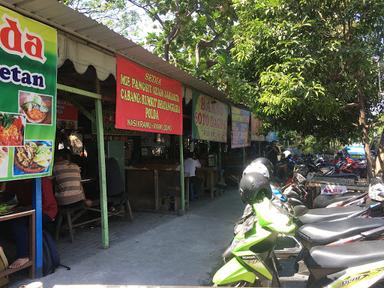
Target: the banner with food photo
(28, 55)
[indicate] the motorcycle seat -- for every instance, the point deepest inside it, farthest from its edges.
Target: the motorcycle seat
(344, 256)
(341, 175)
(323, 201)
(323, 233)
(329, 214)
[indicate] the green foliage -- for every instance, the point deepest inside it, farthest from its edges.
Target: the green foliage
(116, 14)
(299, 65)
(307, 144)
(307, 60)
(203, 36)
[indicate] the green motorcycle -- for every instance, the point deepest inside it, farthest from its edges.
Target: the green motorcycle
(251, 259)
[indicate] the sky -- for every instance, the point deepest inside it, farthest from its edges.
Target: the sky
(136, 33)
(145, 26)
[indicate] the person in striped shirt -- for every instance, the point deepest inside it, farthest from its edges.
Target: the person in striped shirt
(68, 180)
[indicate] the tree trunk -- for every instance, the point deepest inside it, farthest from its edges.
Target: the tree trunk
(197, 56)
(379, 165)
(365, 136)
(166, 51)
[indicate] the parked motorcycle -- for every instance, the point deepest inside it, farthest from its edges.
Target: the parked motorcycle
(359, 264)
(251, 260)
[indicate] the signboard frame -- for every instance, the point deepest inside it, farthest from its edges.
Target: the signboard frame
(240, 136)
(28, 80)
(146, 100)
(209, 118)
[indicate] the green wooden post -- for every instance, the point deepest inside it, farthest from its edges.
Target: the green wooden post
(182, 188)
(101, 152)
(102, 174)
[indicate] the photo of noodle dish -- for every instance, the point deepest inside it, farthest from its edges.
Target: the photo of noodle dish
(11, 129)
(34, 157)
(36, 107)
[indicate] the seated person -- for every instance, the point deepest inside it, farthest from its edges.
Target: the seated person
(18, 228)
(68, 180)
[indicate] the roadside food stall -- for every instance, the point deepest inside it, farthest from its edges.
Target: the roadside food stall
(240, 129)
(237, 156)
(209, 126)
(150, 102)
(28, 57)
(257, 138)
(86, 85)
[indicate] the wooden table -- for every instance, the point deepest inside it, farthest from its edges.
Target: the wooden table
(146, 187)
(32, 252)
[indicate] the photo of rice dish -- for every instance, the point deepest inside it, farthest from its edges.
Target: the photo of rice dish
(35, 107)
(11, 129)
(34, 157)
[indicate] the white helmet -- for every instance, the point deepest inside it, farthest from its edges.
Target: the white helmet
(287, 153)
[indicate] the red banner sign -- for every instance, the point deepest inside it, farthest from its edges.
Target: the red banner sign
(146, 100)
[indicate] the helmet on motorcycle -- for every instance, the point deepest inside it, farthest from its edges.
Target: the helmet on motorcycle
(260, 165)
(254, 187)
(287, 153)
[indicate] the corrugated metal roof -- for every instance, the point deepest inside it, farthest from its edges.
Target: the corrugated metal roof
(56, 14)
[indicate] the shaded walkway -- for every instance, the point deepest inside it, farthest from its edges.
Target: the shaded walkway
(155, 249)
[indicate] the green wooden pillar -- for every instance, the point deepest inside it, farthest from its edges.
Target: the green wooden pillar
(102, 174)
(182, 188)
(100, 146)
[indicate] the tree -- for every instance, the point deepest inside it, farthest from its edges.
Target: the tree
(118, 15)
(301, 65)
(308, 64)
(202, 34)
(192, 34)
